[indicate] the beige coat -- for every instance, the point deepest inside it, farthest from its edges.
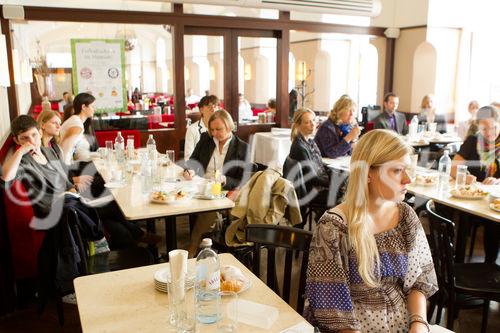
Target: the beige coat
(265, 199)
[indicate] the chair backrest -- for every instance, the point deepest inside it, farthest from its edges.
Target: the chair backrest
(289, 239)
(442, 235)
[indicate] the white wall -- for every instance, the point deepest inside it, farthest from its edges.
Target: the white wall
(402, 13)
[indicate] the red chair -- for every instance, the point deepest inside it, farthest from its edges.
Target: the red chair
(103, 136)
(54, 106)
(155, 120)
(37, 109)
(192, 105)
(256, 112)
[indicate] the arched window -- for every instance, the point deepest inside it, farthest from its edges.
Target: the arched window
(368, 74)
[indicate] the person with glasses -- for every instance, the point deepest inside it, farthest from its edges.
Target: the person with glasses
(481, 153)
(207, 105)
(370, 268)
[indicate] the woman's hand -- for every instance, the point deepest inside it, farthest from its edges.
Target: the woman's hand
(83, 182)
(417, 327)
(353, 134)
(491, 181)
(188, 174)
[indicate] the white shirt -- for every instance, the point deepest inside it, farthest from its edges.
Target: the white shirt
(244, 111)
(217, 159)
(192, 99)
(81, 150)
(193, 134)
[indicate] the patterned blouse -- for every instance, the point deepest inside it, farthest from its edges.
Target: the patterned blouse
(337, 296)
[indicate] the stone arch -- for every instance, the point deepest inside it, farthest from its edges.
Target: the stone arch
(424, 74)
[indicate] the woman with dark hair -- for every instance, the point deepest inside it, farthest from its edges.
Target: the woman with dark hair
(77, 133)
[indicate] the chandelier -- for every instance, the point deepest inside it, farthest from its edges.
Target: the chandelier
(39, 62)
(129, 38)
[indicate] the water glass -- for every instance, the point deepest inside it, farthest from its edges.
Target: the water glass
(109, 150)
(421, 129)
(228, 321)
(461, 177)
(432, 127)
(183, 306)
(413, 167)
(130, 140)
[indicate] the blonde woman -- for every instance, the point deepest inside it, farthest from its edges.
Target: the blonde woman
(336, 135)
(427, 110)
(305, 151)
(370, 267)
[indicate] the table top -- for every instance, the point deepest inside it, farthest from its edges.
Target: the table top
(137, 206)
(476, 207)
(126, 301)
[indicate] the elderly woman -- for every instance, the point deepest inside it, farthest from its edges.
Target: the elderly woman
(220, 152)
(370, 268)
(481, 153)
(77, 134)
(207, 106)
(336, 135)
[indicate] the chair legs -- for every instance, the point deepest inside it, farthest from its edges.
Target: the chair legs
(486, 308)
(451, 314)
(472, 240)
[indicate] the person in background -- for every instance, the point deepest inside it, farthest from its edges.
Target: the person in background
(390, 118)
(244, 109)
(46, 106)
(427, 112)
(207, 92)
(191, 98)
(469, 127)
(293, 97)
(481, 153)
(337, 134)
(66, 100)
(136, 96)
(207, 105)
(370, 268)
(305, 151)
(77, 134)
(219, 152)
(271, 106)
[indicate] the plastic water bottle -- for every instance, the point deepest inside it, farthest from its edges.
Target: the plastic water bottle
(151, 146)
(120, 148)
(413, 127)
(207, 284)
(444, 169)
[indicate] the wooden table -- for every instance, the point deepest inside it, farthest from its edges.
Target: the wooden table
(126, 301)
(137, 206)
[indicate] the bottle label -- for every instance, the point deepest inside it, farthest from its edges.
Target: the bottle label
(213, 280)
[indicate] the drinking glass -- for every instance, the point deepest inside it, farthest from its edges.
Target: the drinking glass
(413, 167)
(228, 321)
(183, 306)
(432, 127)
(109, 150)
(461, 177)
(170, 165)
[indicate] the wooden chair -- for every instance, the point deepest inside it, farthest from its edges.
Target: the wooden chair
(461, 285)
(273, 237)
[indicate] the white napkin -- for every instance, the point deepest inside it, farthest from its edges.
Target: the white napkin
(301, 327)
(439, 329)
(256, 314)
(178, 271)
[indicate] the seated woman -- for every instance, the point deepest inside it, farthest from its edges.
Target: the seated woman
(337, 134)
(77, 133)
(218, 151)
(481, 153)
(122, 233)
(271, 106)
(427, 112)
(370, 268)
(305, 151)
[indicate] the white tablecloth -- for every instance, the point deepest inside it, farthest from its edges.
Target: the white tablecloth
(270, 149)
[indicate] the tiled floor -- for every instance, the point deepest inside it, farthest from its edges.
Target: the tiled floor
(28, 320)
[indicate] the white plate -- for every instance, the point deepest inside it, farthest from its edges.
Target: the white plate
(171, 202)
(425, 184)
(114, 184)
(162, 277)
(209, 197)
(492, 206)
(467, 197)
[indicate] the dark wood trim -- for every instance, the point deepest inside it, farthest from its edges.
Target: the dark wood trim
(283, 50)
(178, 8)
(231, 66)
(389, 65)
(11, 91)
(178, 77)
(121, 16)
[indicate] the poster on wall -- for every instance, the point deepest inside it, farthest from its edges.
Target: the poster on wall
(99, 69)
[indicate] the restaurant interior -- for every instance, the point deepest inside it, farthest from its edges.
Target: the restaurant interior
(161, 73)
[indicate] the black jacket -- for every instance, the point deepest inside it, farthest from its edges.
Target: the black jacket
(310, 157)
(237, 151)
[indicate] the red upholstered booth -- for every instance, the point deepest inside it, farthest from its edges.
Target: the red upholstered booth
(257, 111)
(103, 136)
(155, 120)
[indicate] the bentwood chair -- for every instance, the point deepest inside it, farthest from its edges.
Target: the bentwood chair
(461, 285)
(276, 239)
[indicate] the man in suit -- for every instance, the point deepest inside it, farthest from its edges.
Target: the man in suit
(390, 118)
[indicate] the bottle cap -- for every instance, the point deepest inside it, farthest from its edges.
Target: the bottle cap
(206, 242)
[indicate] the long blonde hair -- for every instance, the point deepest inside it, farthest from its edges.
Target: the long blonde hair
(44, 117)
(373, 149)
(297, 119)
(342, 105)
